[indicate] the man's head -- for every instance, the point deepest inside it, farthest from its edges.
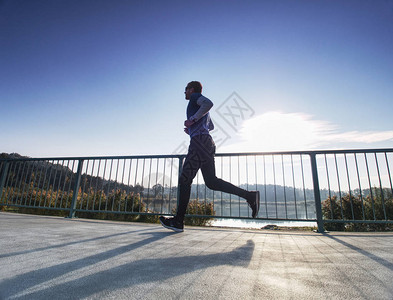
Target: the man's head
(193, 87)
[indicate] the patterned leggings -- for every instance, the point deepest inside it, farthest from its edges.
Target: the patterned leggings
(201, 156)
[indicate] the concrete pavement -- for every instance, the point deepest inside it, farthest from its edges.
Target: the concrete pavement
(55, 258)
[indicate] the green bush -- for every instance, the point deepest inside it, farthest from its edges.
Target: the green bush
(195, 209)
(359, 208)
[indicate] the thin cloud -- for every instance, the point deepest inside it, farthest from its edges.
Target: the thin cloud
(277, 131)
(367, 137)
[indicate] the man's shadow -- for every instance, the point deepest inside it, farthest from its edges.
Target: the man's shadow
(144, 271)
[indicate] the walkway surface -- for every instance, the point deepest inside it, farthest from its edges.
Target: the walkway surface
(56, 258)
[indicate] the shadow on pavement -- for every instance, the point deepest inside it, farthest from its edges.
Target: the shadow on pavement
(71, 243)
(377, 259)
(133, 273)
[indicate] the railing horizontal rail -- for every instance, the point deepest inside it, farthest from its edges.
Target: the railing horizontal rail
(217, 154)
(92, 157)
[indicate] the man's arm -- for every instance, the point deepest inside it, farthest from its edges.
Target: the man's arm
(205, 105)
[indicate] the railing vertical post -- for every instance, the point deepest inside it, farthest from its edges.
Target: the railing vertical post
(76, 189)
(317, 194)
(181, 158)
(3, 177)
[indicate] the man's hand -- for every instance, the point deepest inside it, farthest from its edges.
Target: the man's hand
(188, 123)
(186, 131)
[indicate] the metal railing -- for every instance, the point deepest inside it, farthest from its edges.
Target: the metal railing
(348, 186)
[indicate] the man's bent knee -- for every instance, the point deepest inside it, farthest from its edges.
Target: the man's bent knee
(212, 183)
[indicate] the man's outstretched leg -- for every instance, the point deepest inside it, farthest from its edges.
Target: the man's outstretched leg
(252, 197)
(212, 182)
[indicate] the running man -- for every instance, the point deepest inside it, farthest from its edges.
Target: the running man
(201, 156)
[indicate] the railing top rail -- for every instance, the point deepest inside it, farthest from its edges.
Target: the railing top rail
(308, 152)
(93, 157)
(315, 152)
(343, 151)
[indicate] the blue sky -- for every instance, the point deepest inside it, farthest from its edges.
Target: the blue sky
(87, 78)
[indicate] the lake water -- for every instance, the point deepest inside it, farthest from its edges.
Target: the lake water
(258, 224)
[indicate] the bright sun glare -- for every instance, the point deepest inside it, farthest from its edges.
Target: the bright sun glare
(277, 131)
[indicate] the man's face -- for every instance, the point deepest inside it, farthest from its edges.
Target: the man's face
(188, 92)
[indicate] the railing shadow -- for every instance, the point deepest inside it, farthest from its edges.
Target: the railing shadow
(36, 277)
(137, 272)
(71, 243)
(375, 258)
